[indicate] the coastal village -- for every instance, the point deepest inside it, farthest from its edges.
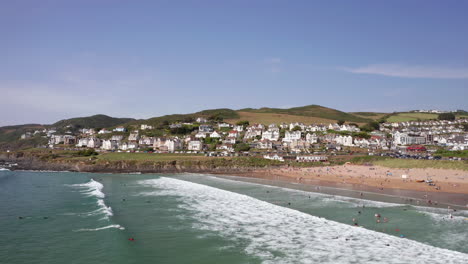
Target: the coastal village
(295, 141)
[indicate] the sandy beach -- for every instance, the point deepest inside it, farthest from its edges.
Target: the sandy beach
(445, 185)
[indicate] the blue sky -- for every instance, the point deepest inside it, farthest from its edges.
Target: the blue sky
(62, 59)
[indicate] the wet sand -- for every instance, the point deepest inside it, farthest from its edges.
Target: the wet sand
(451, 186)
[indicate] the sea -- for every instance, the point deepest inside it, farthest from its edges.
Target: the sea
(69, 217)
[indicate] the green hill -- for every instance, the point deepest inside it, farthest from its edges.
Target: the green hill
(312, 111)
(11, 133)
(95, 121)
(222, 113)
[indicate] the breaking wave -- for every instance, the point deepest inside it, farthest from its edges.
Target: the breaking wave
(94, 189)
(100, 228)
(283, 235)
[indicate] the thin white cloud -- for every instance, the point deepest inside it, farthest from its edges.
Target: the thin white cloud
(396, 70)
(273, 64)
(273, 60)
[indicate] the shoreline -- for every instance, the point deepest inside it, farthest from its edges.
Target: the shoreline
(353, 178)
(398, 196)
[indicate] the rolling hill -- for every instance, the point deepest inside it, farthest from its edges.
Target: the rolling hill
(316, 111)
(95, 121)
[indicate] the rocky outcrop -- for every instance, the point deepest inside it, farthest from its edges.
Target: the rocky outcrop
(26, 162)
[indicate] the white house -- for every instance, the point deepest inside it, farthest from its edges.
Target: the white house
(200, 135)
(82, 142)
(117, 137)
(148, 141)
(195, 145)
(215, 135)
(173, 144)
(144, 127)
(223, 125)
(201, 120)
(233, 133)
(291, 135)
(110, 144)
(293, 125)
(311, 158)
(134, 136)
(104, 131)
(205, 128)
(119, 129)
(264, 144)
(344, 140)
(271, 134)
(128, 146)
(239, 128)
(311, 138)
(230, 140)
(273, 157)
(227, 147)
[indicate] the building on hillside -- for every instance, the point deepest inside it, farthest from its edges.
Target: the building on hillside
(233, 133)
(230, 140)
(173, 144)
(292, 135)
(201, 120)
(119, 129)
(226, 146)
(195, 145)
(117, 137)
(215, 135)
(104, 131)
(344, 140)
(110, 144)
(145, 127)
(312, 138)
(311, 158)
(224, 125)
(146, 141)
(134, 136)
(271, 134)
(263, 144)
(273, 157)
(407, 139)
(205, 128)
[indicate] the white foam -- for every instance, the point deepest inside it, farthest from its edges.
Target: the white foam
(4, 169)
(94, 189)
(354, 202)
(283, 235)
(100, 228)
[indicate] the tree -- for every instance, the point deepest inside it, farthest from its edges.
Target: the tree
(243, 123)
(361, 135)
(296, 128)
(446, 116)
(242, 147)
(340, 122)
(371, 126)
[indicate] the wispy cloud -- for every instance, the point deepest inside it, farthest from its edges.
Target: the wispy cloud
(273, 64)
(405, 71)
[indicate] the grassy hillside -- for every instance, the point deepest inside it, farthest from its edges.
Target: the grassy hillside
(95, 121)
(406, 116)
(11, 133)
(370, 115)
(270, 118)
(222, 113)
(312, 111)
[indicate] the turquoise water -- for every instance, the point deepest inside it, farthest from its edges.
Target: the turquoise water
(63, 217)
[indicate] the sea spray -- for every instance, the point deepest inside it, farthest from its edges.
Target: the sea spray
(278, 234)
